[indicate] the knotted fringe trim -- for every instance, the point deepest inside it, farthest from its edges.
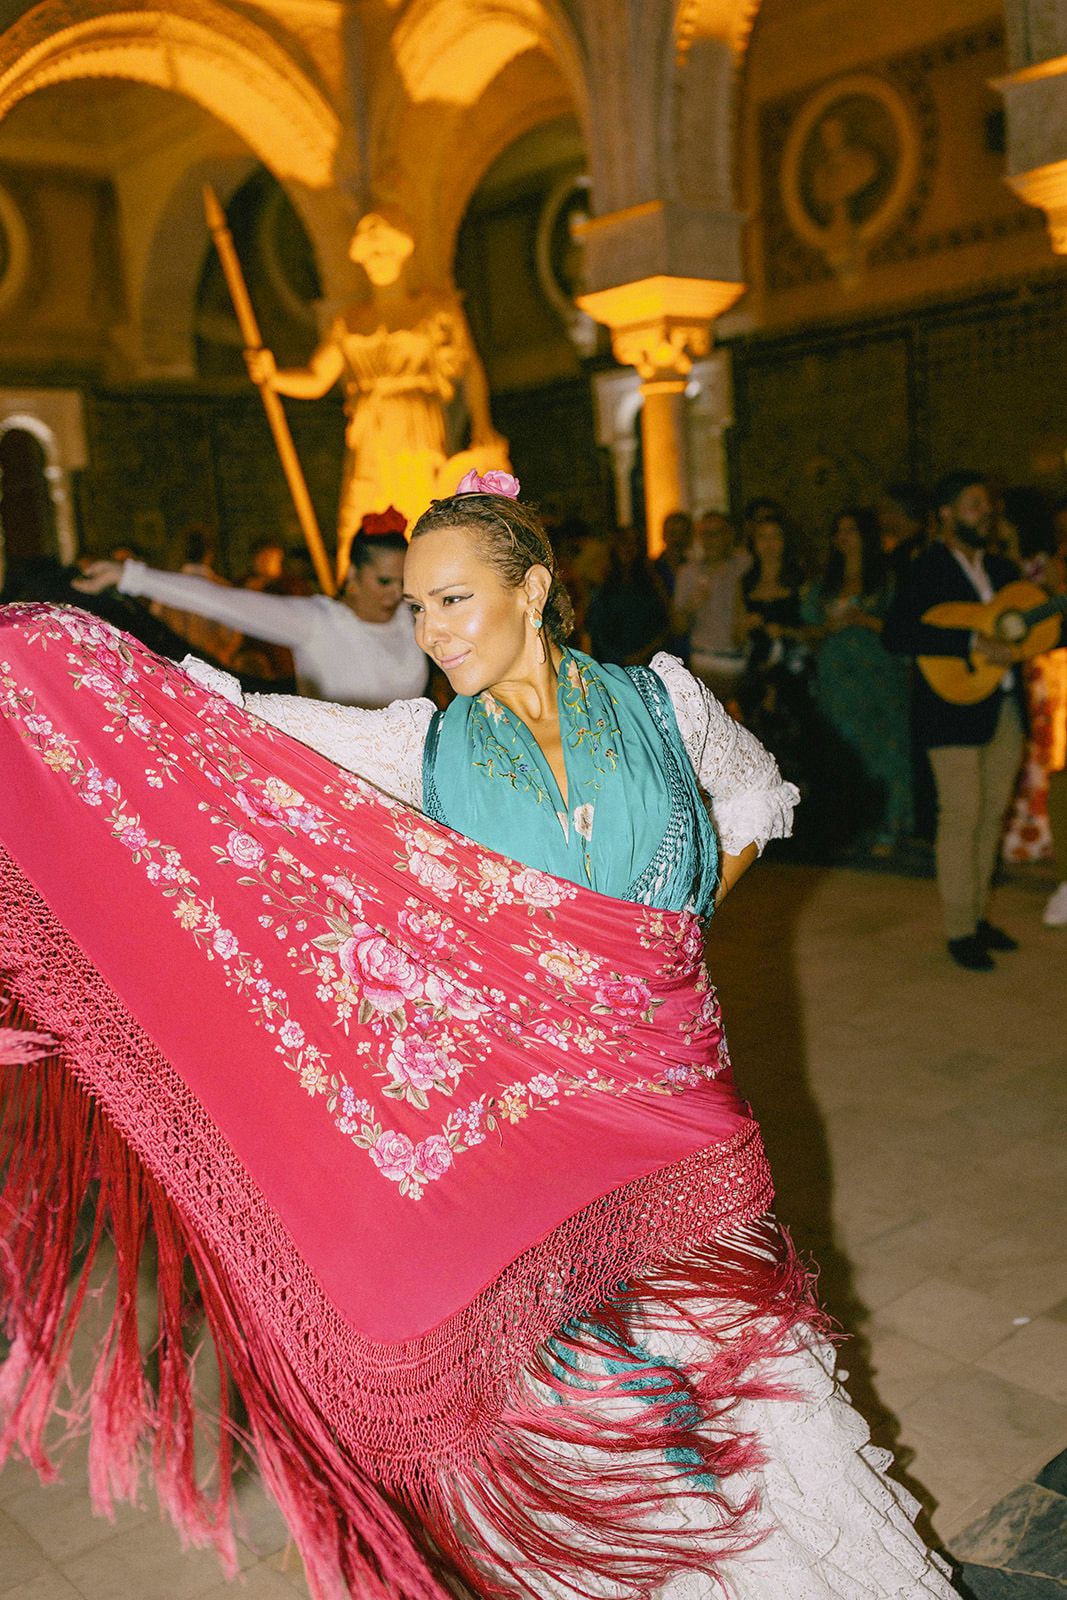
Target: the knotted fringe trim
(500, 1469)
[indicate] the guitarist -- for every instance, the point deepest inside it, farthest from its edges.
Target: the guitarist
(975, 750)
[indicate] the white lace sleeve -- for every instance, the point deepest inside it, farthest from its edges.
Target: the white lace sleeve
(750, 801)
(213, 679)
(385, 747)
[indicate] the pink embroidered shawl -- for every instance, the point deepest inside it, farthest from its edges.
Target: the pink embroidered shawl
(409, 1107)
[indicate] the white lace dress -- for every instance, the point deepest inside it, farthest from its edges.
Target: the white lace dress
(837, 1528)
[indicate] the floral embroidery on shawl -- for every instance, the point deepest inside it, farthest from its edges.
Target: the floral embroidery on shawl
(366, 1016)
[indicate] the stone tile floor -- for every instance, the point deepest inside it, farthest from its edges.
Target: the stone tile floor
(915, 1116)
(1018, 1550)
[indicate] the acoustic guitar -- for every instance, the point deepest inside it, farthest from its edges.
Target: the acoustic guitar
(1020, 615)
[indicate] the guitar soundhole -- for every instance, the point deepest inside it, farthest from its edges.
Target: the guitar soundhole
(1012, 627)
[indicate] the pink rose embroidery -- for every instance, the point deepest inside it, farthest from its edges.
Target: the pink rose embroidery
(432, 873)
(427, 929)
(97, 681)
(461, 1004)
(625, 997)
(433, 1156)
(225, 943)
(243, 850)
(344, 887)
(414, 1060)
(388, 977)
(393, 1154)
(538, 889)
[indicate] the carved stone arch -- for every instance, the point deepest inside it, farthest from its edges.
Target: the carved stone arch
(54, 418)
(165, 296)
(205, 52)
(477, 74)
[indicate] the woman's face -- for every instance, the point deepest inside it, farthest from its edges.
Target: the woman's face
(847, 537)
(768, 542)
(373, 591)
(467, 619)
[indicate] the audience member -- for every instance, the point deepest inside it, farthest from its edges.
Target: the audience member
(584, 557)
(773, 693)
(974, 750)
(628, 616)
(706, 606)
(1056, 580)
(677, 549)
(905, 520)
(677, 546)
(1027, 829)
(861, 692)
(268, 566)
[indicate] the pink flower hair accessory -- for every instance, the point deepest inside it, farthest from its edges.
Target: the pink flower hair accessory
(492, 483)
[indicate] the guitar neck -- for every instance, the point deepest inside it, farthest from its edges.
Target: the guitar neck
(1055, 605)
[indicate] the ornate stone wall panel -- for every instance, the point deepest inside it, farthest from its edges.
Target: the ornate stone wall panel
(895, 165)
(991, 373)
(159, 460)
(828, 416)
(821, 425)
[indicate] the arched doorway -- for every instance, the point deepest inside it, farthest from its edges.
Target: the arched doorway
(27, 512)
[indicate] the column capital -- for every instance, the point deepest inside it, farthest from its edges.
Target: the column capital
(661, 325)
(1046, 188)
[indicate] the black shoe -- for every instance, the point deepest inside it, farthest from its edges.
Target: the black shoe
(971, 953)
(994, 938)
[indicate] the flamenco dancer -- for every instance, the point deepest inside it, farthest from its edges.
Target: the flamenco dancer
(358, 649)
(393, 1030)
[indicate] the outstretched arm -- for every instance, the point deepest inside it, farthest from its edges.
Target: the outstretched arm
(276, 618)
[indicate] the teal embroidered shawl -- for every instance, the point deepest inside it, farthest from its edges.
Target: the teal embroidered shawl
(633, 825)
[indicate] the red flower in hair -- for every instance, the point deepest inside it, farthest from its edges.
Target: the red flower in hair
(388, 521)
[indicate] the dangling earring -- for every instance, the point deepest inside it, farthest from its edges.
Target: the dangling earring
(536, 622)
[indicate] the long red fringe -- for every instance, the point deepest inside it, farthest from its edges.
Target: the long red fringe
(570, 1467)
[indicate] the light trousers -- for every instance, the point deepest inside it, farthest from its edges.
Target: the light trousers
(974, 786)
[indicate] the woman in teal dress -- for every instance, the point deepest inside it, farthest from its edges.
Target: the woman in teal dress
(861, 691)
(634, 783)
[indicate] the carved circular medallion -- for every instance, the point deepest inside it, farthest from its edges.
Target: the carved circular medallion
(850, 164)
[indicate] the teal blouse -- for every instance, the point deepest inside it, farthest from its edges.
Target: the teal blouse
(633, 825)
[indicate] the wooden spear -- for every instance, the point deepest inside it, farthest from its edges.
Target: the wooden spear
(272, 405)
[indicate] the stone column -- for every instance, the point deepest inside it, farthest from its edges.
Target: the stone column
(1035, 104)
(660, 325)
(710, 412)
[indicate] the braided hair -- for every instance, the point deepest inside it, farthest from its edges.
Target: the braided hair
(511, 539)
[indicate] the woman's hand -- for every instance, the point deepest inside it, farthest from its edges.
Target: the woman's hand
(261, 367)
(100, 576)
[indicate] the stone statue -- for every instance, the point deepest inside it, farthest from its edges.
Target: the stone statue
(401, 355)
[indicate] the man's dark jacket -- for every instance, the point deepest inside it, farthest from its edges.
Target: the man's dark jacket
(933, 577)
